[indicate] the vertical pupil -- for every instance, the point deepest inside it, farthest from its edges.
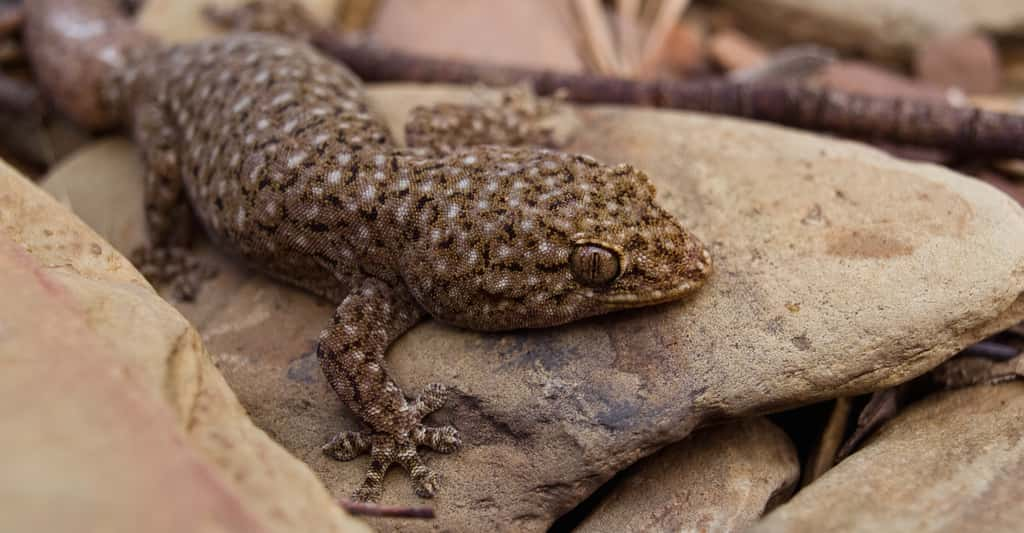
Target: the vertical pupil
(594, 260)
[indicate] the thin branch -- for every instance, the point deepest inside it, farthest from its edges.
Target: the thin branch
(598, 36)
(389, 511)
(629, 24)
(965, 130)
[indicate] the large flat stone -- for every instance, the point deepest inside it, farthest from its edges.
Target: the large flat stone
(840, 270)
(953, 462)
(113, 414)
(720, 478)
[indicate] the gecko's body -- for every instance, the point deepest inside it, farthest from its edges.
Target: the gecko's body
(272, 146)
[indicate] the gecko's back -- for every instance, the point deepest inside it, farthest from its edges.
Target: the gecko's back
(269, 138)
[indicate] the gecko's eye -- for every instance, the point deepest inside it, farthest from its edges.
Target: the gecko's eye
(594, 265)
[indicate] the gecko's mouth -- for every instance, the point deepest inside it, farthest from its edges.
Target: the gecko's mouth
(629, 300)
(694, 280)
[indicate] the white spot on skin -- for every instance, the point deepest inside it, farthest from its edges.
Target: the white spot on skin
(321, 139)
(369, 193)
(463, 184)
(240, 219)
(453, 211)
(242, 104)
(482, 204)
(289, 126)
(343, 159)
(262, 76)
(469, 160)
(282, 98)
(262, 124)
(297, 159)
(379, 160)
(334, 177)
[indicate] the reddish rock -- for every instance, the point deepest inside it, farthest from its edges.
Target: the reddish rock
(684, 50)
(865, 78)
(969, 61)
(734, 50)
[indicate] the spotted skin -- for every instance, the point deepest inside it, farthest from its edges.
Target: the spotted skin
(273, 148)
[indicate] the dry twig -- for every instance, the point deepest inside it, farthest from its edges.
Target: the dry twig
(389, 511)
(965, 130)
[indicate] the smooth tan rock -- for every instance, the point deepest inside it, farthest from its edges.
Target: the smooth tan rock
(840, 270)
(719, 479)
(533, 33)
(183, 21)
(883, 29)
(953, 462)
(113, 415)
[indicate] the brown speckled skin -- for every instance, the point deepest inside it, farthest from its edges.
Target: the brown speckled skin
(274, 149)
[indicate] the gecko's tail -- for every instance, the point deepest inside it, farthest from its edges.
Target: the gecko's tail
(75, 47)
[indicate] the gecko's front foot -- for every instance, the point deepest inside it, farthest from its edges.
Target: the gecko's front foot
(176, 267)
(400, 447)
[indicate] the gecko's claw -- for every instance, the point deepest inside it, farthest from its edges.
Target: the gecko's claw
(388, 449)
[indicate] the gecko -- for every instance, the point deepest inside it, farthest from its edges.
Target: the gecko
(271, 147)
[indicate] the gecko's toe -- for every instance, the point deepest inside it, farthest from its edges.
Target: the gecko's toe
(368, 492)
(347, 445)
(424, 480)
(443, 439)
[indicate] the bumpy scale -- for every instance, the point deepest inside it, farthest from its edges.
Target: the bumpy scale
(273, 147)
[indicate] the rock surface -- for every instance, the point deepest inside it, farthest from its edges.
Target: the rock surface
(720, 478)
(182, 21)
(953, 462)
(534, 33)
(968, 61)
(883, 29)
(112, 412)
(840, 270)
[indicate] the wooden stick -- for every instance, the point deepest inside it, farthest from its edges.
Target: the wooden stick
(389, 511)
(965, 130)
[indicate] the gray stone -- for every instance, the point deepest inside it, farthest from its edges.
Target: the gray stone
(883, 29)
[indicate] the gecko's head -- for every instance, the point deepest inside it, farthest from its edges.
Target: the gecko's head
(625, 250)
(569, 238)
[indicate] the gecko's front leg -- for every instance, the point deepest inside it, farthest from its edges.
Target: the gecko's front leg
(351, 352)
